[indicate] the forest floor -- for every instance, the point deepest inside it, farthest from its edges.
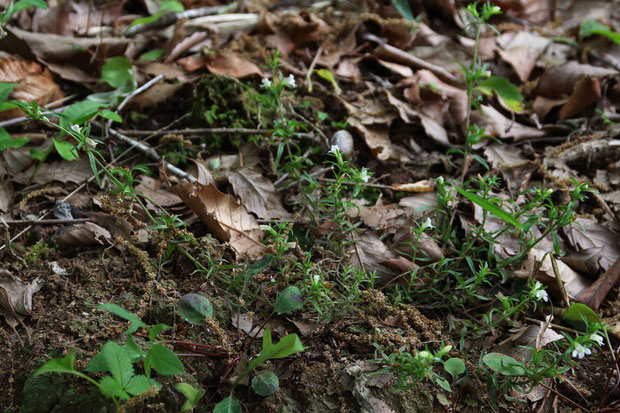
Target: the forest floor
(418, 202)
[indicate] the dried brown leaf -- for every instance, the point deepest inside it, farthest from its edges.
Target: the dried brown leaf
(224, 217)
(232, 64)
(586, 233)
(82, 235)
(61, 171)
(258, 194)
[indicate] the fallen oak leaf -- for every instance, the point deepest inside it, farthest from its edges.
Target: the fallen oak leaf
(224, 217)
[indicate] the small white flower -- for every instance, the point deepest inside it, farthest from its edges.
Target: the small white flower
(542, 295)
(266, 82)
(289, 82)
(316, 279)
(334, 149)
(427, 224)
(364, 176)
(539, 293)
(580, 351)
(597, 339)
(91, 142)
(76, 128)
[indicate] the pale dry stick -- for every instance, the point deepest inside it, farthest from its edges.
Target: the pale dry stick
(44, 221)
(169, 19)
(133, 144)
(232, 131)
(397, 55)
(133, 94)
(311, 68)
(52, 105)
(149, 152)
(558, 279)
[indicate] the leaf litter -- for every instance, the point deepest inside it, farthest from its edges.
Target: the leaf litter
(396, 87)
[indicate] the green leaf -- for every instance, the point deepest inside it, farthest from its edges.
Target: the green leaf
(489, 207)
(329, 76)
(155, 330)
(508, 92)
(80, 112)
(579, 314)
(402, 6)
(36, 154)
(108, 114)
(454, 366)
(117, 362)
(290, 344)
(194, 308)
(592, 27)
(7, 142)
(24, 4)
(117, 72)
(146, 20)
(171, 5)
(163, 360)
(443, 383)
(139, 384)
(111, 388)
(5, 91)
(228, 405)
(59, 365)
(136, 323)
(503, 364)
(66, 150)
(152, 55)
(134, 352)
(289, 300)
(192, 395)
(266, 383)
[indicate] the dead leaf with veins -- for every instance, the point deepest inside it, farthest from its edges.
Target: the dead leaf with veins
(258, 194)
(586, 233)
(224, 217)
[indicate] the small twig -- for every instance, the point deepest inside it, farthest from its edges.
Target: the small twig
(379, 186)
(45, 221)
(149, 152)
(228, 131)
(397, 55)
(169, 19)
(311, 68)
(133, 94)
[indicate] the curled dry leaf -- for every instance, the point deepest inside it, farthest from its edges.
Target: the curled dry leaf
(258, 194)
(426, 185)
(16, 295)
(34, 83)
(6, 194)
(586, 233)
(82, 235)
(61, 171)
(224, 217)
(574, 283)
(231, 64)
(371, 254)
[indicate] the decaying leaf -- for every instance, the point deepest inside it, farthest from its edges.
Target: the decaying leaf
(224, 217)
(231, 64)
(16, 296)
(258, 194)
(371, 254)
(586, 233)
(82, 235)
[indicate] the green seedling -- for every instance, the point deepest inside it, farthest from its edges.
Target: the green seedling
(194, 308)
(267, 382)
(122, 382)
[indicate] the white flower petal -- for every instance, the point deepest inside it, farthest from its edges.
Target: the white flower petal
(334, 149)
(597, 339)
